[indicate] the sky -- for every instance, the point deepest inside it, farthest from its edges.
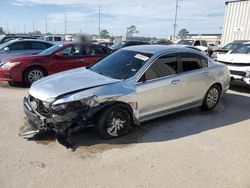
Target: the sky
(153, 18)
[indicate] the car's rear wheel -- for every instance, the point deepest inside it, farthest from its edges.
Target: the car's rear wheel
(114, 122)
(212, 98)
(33, 74)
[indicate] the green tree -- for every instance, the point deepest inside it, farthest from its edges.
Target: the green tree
(104, 34)
(131, 30)
(37, 32)
(183, 33)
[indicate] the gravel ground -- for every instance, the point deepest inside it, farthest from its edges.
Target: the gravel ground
(188, 149)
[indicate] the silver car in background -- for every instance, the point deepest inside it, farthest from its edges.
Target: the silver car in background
(130, 86)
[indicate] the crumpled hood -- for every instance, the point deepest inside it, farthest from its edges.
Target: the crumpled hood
(234, 58)
(62, 83)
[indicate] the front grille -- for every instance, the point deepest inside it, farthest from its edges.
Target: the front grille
(235, 64)
(38, 106)
(238, 73)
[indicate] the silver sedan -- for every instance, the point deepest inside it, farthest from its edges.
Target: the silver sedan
(130, 86)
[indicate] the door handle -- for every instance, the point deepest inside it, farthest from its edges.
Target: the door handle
(206, 73)
(175, 82)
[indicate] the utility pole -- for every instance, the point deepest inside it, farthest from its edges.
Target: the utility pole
(46, 26)
(65, 24)
(175, 18)
(99, 28)
(33, 26)
(7, 27)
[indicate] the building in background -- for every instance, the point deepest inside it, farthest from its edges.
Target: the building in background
(236, 22)
(210, 38)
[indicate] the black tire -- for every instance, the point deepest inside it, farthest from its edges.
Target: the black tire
(12, 84)
(37, 72)
(212, 98)
(118, 115)
(15, 84)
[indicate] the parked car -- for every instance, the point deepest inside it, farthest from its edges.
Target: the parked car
(229, 47)
(238, 62)
(19, 47)
(9, 37)
(123, 44)
(130, 86)
(57, 39)
(29, 69)
(213, 47)
(201, 44)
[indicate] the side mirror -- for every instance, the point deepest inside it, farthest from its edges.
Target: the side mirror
(6, 49)
(58, 55)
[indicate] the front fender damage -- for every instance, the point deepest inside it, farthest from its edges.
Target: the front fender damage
(64, 119)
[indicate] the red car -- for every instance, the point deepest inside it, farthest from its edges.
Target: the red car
(28, 69)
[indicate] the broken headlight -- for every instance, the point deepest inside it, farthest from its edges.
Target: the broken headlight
(62, 109)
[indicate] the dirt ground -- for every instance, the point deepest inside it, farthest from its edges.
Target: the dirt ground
(188, 149)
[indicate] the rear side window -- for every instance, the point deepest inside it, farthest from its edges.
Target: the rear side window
(164, 66)
(18, 46)
(190, 61)
(38, 46)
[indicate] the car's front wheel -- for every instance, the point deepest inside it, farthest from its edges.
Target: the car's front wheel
(114, 122)
(212, 98)
(33, 74)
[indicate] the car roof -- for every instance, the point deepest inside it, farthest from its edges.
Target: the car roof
(154, 49)
(32, 40)
(80, 43)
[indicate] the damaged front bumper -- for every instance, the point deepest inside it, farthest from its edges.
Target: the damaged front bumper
(76, 120)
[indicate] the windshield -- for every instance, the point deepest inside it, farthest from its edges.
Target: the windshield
(122, 64)
(117, 45)
(185, 42)
(231, 46)
(242, 49)
(51, 50)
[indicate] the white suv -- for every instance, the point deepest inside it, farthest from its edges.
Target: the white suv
(238, 62)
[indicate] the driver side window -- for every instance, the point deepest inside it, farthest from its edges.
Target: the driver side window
(164, 66)
(72, 51)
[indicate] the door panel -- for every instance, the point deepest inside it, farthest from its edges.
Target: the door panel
(194, 77)
(72, 58)
(159, 95)
(159, 87)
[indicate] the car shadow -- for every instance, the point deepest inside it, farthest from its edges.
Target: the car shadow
(239, 88)
(232, 109)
